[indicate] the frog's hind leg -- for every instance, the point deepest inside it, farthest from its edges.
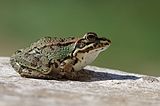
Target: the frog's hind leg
(32, 73)
(15, 64)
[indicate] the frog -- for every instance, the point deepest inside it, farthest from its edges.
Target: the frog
(58, 58)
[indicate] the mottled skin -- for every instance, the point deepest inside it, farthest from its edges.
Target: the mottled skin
(56, 58)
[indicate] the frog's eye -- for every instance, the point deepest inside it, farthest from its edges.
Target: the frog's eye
(91, 36)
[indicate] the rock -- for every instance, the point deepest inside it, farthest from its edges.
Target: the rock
(106, 87)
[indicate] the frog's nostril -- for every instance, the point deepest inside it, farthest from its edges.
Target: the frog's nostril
(109, 41)
(105, 39)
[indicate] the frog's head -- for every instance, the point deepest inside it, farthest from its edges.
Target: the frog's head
(87, 49)
(91, 43)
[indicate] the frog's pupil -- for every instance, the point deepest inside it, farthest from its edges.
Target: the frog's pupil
(91, 37)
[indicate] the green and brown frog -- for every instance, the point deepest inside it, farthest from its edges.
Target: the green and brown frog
(56, 58)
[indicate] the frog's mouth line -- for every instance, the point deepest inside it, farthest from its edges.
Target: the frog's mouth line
(92, 47)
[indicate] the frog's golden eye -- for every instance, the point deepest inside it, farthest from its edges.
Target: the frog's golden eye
(91, 36)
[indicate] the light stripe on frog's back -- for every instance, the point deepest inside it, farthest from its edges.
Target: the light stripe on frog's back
(49, 41)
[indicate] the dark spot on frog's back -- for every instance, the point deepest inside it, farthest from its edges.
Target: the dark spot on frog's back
(52, 47)
(61, 40)
(34, 62)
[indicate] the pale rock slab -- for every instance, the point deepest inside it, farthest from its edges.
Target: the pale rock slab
(106, 87)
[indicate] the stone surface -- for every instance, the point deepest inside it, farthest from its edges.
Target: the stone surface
(106, 87)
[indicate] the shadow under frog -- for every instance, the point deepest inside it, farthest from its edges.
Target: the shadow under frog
(91, 75)
(87, 75)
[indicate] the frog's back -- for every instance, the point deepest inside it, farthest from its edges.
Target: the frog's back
(54, 48)
(52, 41)
(50, 48)
(40, 53)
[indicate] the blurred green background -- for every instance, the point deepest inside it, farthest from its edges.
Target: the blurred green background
(132, 25)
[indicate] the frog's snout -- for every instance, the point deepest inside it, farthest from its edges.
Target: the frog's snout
(109, 41)
(105, 40)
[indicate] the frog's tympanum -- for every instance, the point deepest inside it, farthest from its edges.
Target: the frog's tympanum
(56, 58)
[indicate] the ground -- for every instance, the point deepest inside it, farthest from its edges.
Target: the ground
(106, 87)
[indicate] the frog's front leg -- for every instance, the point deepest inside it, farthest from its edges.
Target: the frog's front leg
(66, 66)
(67, 69)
